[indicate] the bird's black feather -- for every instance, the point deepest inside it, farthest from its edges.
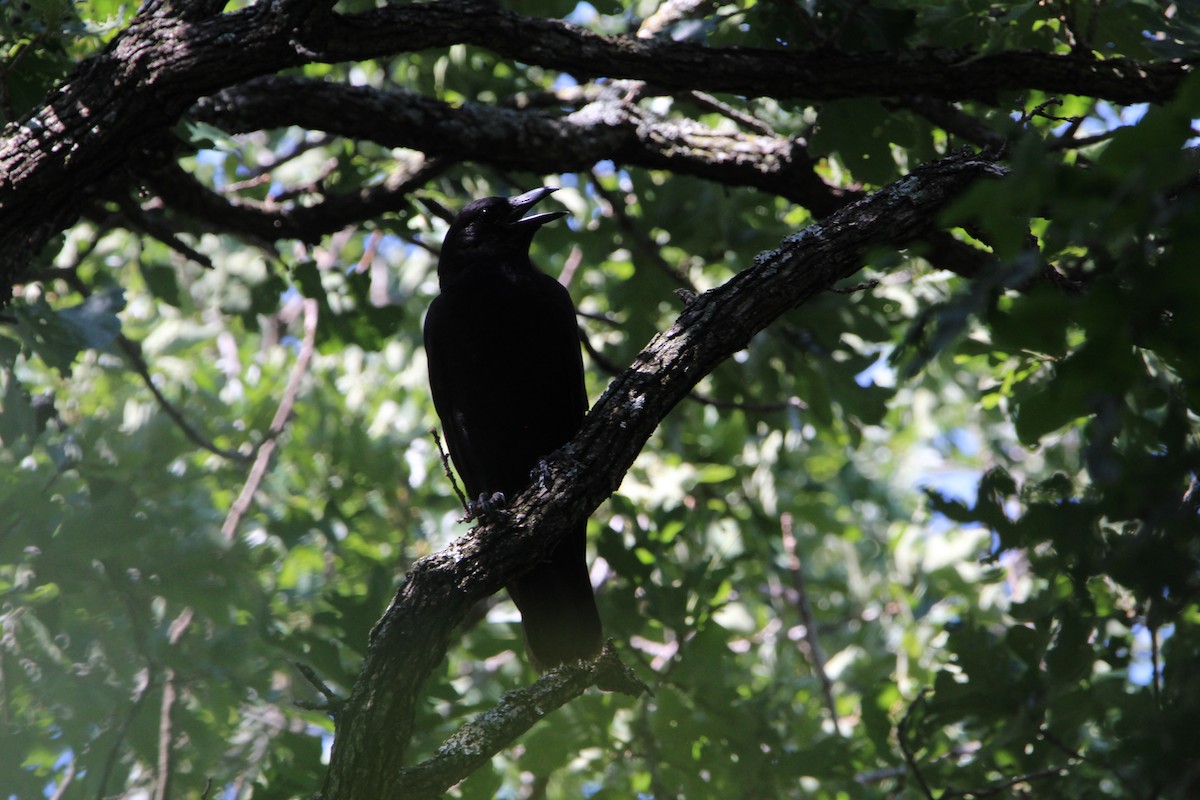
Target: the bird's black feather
(507, 380)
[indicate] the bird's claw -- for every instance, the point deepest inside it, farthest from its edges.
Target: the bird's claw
(486, 504)
(541, 474)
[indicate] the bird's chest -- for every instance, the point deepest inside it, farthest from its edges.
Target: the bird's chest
(499, 332)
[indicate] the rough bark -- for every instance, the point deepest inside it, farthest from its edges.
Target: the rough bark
(56, 160)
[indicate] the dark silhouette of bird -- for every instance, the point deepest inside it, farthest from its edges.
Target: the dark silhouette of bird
(506, 375)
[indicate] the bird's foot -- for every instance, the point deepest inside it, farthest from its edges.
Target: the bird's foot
(540, 475)
(486, 504)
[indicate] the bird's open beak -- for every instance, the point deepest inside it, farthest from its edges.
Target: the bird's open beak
(522, 203)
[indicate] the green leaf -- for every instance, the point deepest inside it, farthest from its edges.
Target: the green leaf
(57, 336)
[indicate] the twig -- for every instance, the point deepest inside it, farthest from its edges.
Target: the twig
(178, 628)
(1040, 111)
(669, 13)
(1049, 772)
(639, 238)
(810, 643)
(263, 458)
(310, 187)
(706, 100)
(60, 789)
(333, 703)
(754, 408)
(952, 120)
(610, 367)
(122, 731)
(133, 353)
(865, 286)
(1155, 688)
(880, 775)
(450, 473)
(369, 250)
(1075, 754)
(68, 271)
(141, 220)
(651, 752)
(902, 737)
(260, 171)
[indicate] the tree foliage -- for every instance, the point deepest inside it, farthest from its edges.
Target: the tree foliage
(892, 466)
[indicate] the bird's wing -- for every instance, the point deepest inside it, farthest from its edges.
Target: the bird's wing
(443, 386)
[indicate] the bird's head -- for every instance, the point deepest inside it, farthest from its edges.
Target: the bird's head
(493, 232)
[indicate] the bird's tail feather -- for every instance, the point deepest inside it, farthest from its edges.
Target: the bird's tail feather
(558, 607)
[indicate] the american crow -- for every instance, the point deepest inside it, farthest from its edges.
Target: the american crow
(507, 381)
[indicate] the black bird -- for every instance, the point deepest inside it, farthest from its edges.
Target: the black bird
(507, 381)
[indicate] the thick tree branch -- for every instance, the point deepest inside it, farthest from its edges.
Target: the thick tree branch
(810, 74)
(118, 103)
(266, 222)
(606, 128)
(412, 637)
(115, 103)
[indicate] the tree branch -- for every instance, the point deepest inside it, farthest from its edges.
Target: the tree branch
(413, 635)
(605, 128)
(813, 74)
(474, 743)
(115, 104)
(119, 103)
(282, 414)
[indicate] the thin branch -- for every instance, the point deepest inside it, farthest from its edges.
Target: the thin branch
(64, 783)
(792, 402)
(476, 741)
(810, 643)
(156, 226)
(650, 754)
(1068, 142)
(267, 222)
(902, 736)
(819, 73)
(640, 240)
(263, 170)
(122, 731)
(952, 120)
(310, 187)
(670, 13)
(1130, 787)
(991, 791)
(1155, 676)
(133, 355)
(880, 775)
(755, 124)
(449, 473)
(162, 783)
(865, 286)
(333, 702)
(282, 414)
